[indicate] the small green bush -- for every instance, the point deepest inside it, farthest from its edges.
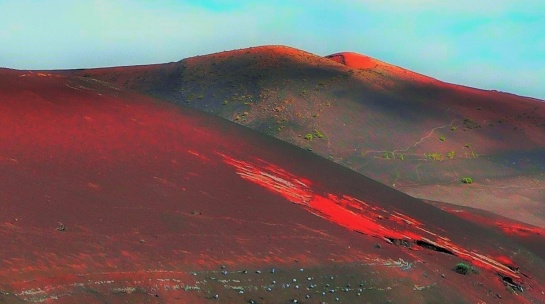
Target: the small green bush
(467, 180)
(435, 156)
(462, 268)
(451, 154)
(309, 136)
(442, 138)
(318, 134)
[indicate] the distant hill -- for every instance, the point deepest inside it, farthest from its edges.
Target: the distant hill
(409, 131)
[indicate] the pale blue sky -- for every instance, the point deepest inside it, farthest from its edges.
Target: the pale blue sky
(494, 44)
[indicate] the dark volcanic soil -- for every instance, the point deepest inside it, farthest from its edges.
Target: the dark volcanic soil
(412, 132)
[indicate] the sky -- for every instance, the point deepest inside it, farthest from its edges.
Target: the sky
(495, 44)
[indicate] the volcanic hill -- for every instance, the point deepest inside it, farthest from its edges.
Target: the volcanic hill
(409, 131)
(111, 196)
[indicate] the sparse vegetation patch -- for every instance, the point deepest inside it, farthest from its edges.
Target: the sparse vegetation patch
(467, 180)
(318, 134)
(435, 156)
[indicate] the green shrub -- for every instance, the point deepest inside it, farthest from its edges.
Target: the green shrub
(442, 138)
(451, 154)
(462, 268)
(309, 136)
(467, 180)
(435, 156)
(453, 129)
(318, 134)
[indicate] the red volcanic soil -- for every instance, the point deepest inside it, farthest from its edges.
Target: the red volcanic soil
(527, 235)
(354, 60)
(362, 62)
(108, 196)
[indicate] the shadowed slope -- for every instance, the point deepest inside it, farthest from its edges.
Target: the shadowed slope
(109, 196)
(404, 129)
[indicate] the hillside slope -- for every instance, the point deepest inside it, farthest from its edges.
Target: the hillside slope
(113, 197)
(415, 133)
